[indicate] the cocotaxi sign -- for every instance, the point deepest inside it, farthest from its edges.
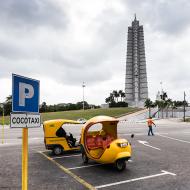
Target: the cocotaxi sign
(24, 120)
(25, 104)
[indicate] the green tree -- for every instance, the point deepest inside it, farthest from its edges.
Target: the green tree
(148, 104)
(158, 103)
(112, 99)
(8, 105)
(122, 95)
(173, 107)
(108, 99)
(164, 96)
(168, 103)
(43, 107)
(162, 106)
(116, 95)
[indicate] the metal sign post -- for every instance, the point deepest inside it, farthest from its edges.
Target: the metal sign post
(83, 86)
(184, 102)
(24, 158)
(25, 107)
(3, 122)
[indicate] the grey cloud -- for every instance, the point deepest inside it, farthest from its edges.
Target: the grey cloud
(62, 69)
(71, 65)
(166, 16)
(93, 63)
(32, 13)
(37, 39)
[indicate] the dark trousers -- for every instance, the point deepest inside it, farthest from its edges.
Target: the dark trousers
(150, 130)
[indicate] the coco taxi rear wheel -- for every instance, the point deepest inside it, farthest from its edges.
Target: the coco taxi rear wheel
(57, 150)
(120, 165)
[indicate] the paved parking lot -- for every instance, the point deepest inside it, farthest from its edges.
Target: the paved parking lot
(158, 162)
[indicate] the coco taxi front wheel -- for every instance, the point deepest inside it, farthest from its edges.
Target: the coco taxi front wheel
(120, 165)
(84, 158)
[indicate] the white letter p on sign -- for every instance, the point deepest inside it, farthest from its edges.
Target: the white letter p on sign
(26, 91)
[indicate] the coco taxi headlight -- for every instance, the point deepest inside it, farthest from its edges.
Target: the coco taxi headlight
(122, 145)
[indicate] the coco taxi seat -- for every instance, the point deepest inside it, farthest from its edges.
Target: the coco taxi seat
(107, 140)
(90, 141)
(99, 141)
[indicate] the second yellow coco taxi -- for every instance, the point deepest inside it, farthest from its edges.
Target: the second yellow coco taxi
(100, 142)
(56, 138)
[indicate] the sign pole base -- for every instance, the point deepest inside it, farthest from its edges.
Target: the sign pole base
(24, 158)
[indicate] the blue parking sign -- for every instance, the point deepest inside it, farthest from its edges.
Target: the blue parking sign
(25, 94)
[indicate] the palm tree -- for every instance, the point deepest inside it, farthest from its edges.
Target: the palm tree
(148, 104)
(174, 106)
(8, 105)
(164, 96)
(107, 100)
(112, 99)
(162, 106)
(158, 103)
(168, 104)
(122, 95)
(43, 107)
(116, 95)
(8, 99)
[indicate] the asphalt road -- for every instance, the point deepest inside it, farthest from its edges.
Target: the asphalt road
(158, 162)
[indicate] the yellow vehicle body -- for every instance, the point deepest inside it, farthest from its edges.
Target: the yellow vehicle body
(52, 141)
(103, 145)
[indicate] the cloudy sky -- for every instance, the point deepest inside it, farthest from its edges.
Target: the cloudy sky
(65, 42)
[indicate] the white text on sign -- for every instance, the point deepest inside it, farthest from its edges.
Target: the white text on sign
(26, 91)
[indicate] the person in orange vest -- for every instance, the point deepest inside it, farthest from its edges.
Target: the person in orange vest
(150, 122)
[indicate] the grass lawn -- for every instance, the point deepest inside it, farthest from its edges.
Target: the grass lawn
(87, 114)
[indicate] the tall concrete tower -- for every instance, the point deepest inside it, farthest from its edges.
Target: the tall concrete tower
(136, 87)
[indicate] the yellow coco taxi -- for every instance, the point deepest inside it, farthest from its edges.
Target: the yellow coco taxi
(99, 142)
(56, 138)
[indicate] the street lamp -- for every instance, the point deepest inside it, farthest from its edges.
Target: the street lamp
(184, 101)
(161, 85)
(3, 122)
(83, 86)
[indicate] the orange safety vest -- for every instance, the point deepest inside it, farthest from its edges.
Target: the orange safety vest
(150, 122)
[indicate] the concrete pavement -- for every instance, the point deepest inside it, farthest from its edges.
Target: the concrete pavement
(158, 162)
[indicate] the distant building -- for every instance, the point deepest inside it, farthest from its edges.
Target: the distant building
(104, 105)
(136, 87)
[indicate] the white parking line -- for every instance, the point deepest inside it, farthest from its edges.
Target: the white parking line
(87, 166)
(140, 134)
(186, 132)
(41, 147)
(174, 139)
(163, 172)
(10, 144)
(145, 143)
(67, 156)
